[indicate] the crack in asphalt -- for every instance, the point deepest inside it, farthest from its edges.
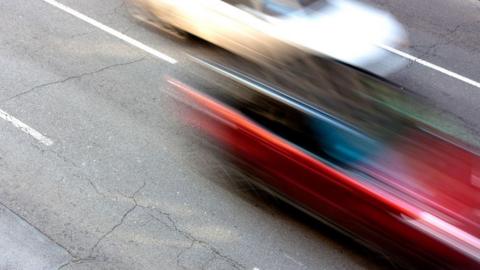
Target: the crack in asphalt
(57, 154)
(431, 50)
(79, 76)
(207, 262)
(171, 224)
(94, 186)
(217, 253)
(135, 205)
(75, 261)
(90, 257)
(71, 162)
(447, 37)
(115, 10)
(179, 255)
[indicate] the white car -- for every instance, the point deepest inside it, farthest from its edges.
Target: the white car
(275, 30)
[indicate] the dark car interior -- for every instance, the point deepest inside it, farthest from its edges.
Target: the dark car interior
(303, 125)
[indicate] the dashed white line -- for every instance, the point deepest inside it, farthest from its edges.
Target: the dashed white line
(112, 31)
(25, 128)
(432, 66)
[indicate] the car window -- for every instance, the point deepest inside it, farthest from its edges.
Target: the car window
(285, 7)
(247, 3)
(313, 130)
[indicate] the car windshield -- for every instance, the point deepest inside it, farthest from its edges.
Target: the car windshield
(279, 8)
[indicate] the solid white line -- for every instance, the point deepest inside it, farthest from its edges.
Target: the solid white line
(23, 127)
(112, 31)
(432, 66)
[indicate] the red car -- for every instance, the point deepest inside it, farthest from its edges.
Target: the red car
(396, 184)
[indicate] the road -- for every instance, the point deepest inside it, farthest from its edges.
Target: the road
(98, 174)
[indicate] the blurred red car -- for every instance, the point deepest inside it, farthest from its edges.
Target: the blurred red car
(405, 190)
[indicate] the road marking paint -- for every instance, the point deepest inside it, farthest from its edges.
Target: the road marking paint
(432, 66)
(112, 31)
(25, 128)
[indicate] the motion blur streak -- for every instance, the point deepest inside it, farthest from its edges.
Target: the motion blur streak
(398, 199)
(236, 119)
(277, 31)
(450, 234)
(300, 101)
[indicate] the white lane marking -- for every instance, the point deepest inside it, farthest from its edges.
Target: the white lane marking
(112, 31)
(25, 128)
(432, 66)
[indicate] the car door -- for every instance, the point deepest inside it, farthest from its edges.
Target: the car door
(238, 26)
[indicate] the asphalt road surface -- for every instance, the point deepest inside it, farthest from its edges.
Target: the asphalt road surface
(98, 174)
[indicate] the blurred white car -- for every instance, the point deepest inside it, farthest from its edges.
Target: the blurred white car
(275, 30)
